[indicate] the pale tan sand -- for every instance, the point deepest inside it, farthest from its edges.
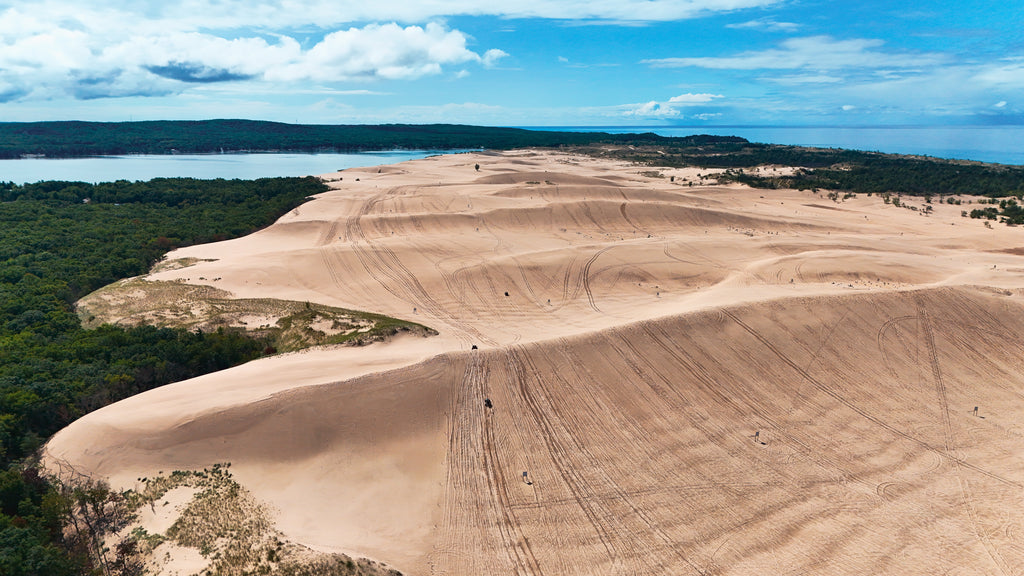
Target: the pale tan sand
(650, 330)
(158, 517)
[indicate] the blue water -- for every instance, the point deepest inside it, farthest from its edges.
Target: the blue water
(1001, 144)
(207, 166)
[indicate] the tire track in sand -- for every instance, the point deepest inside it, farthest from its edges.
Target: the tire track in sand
(619, 495)
(828, 390)
(585, 276)
(479, 524)
(622, 211)
(393, 275)
(516, 544)
(925, 322)
(880, 337)
(560, 457)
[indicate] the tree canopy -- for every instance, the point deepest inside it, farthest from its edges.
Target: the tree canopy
(54, 248)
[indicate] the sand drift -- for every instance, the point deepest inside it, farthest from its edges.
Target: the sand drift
(636, 373)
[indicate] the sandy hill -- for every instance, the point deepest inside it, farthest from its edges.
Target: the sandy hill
(682, 379)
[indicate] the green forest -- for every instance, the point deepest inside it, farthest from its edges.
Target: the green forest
(71, 139)
(58, 242)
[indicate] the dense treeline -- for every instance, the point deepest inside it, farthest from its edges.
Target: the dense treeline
(834, 169)
(70, 139)
(902, 176)
(55, 247)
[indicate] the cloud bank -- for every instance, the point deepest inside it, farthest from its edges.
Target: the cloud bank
(53, 49)
(50, 63)
(277, 14)
(672, 108)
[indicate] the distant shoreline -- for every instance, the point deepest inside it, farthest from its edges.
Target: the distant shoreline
(72, 139)
(979, 143)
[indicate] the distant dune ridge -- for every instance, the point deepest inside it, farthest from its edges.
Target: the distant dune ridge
(633, 375)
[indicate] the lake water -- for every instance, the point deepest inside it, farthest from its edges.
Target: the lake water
(1002, 144)
(206, 166)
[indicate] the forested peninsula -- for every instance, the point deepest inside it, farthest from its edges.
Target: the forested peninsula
(75, 139)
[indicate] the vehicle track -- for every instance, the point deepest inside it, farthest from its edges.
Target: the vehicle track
(590, 462)
(331, 234)
(391, 273)
(825, 340)
(460, 457)
(743, 405)
(561, 457)
(625, 216)
(828, 390)
(526, 280)
(567, 279)
(925, 324)
(585, 209)
(585, 276)
(671, 256)
(453, 283)
(516, 544)
(880, 337)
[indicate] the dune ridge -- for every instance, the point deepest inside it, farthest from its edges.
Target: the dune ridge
(694, 379)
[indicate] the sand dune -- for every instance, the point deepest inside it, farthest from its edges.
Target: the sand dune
(696, 379)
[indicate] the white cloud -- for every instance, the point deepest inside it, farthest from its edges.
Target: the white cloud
(1000, 104)
(693, 98)
(492, 56)
(650, 109)
(814, 52)
(1009, 74)
(228, 14)
(766, 25)
(376, 51)
(655, 109)
(43, 64)
(50, 49)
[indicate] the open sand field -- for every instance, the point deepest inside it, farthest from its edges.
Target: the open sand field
(695, 379)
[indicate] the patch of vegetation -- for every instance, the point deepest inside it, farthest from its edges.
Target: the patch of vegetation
(1008, 212)
(335, 565)
(221, 521)
(285, 325)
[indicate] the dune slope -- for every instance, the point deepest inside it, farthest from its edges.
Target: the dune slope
(682, 379)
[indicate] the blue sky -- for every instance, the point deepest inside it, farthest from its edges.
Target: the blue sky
(516, 63)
